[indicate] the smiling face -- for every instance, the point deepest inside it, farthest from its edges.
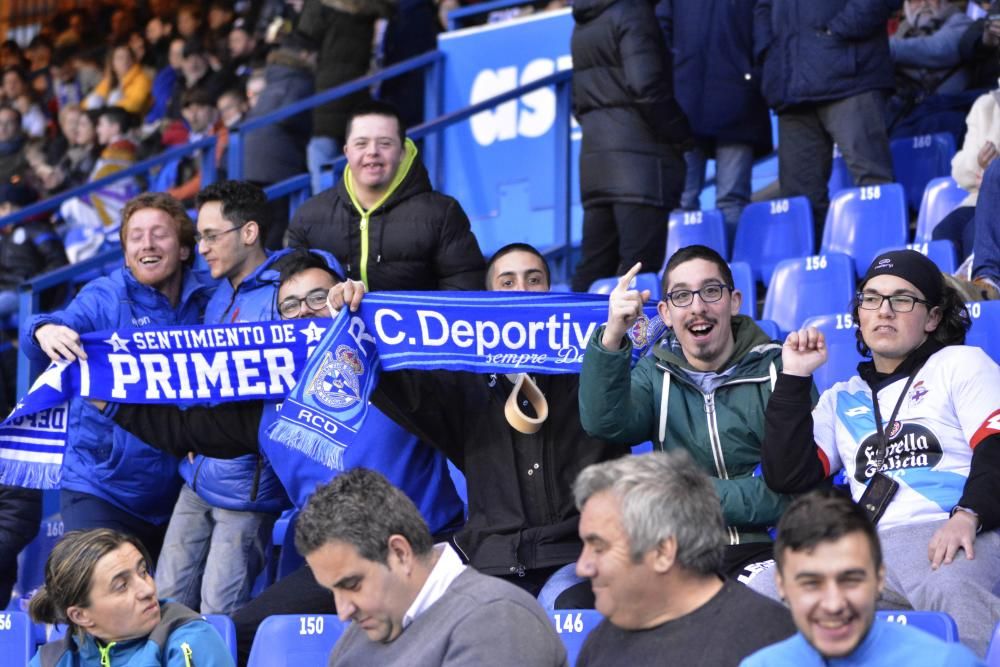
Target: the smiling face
(893, 336)
(374, 152)
(121, 61)
(831, 590)
(704, 330)
(153, 251)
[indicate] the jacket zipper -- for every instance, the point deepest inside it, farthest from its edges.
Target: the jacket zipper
(363, 264)
(720, 460)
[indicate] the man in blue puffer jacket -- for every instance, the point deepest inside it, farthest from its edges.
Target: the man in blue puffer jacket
(110, 478)
(826, 70)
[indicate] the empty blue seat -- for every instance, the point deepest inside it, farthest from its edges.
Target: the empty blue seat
(573, 626)
(941, 197)
(840, 175)
(641, 282)
(31, 560)
(918, 160)
(985, 327)
(295, 641)
(563, 578)
(941, 252)
(743, 280)
(863, 220)
(17, 643)
(841, 345)
(771, 328)
(770, 231)
(993, 654)
(705, 228)
(937, 623)
(226, 629)
(808, 286)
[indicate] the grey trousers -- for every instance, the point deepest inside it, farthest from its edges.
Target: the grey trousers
(963, 589)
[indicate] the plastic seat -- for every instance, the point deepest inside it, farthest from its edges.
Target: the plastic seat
(918, 160)
(563, 578)
(840, 175)
(985, 325)
(226, 629)
(705, 228)
(461, 487)
(743, 280)
(17, 643)
(860, 221)
(771, 328)
(841, 345)
(295, 641)
(770, 231)
(941, 252)
(809, 286)
(31, 560)
(642, 281)
(941, 197)
(993, 653)
(937, 623)
(573, 626)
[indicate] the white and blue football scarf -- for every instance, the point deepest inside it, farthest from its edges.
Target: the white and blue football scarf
(325, 371)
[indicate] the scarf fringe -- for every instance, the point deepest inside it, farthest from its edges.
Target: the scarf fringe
(30, 475)
(304, 440)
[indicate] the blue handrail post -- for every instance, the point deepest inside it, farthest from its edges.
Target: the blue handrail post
(561, 190)
(208, 171)
(234, 168)
(28, 304)
(433, 103)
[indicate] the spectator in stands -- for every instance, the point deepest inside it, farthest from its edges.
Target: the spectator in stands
(39, 57)
(933, 470)
(522, 523)
(237, 429)
(925, 46)
(826, 69)
(196, 73)
(830, 571)
(652, 538)
(980, 44)
(631, 159)
(198, 109)
(412, 602)
(714, 370)
(383, 221)
(124, 85)
(17, 94)
(985, 270)
(342, 31)
(110, 478)
(27, 249)
(241, 49)
(719, 90)
(100, 584)
(13, 162)
(20, 518)
(77, 162)
(255, 86)
(165, 84)
(189, 21)
(159, 33)
(66, 88)
(232, 106)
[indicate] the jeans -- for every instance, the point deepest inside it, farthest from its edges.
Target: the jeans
(212, 556)
(733, 184)
(320, 152)
(986, 246)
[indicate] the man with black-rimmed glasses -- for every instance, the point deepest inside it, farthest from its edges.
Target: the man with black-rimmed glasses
(703, 389)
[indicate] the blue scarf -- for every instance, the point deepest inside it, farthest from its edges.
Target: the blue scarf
(338, 363)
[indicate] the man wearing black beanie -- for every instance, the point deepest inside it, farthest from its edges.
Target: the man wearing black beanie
(922, 459)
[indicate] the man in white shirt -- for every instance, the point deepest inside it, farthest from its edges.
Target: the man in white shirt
(412, 602)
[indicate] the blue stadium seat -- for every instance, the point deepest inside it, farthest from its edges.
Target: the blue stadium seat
(31, 560)
(461, 487)
(295, 641)
(642, 281)
(743, 281)
(166, 177)
(561, 579)
(573, 626)
(17, 643)
(283, 537)
(860, 221)
(993, 654)
(808, 286)
(840, 175)
(771, 328)
(226, 629)
(843, 359)
(937, 623)
(643, 447)
(941, 252)
(705, 228)
(770, 231)
(985, 325)
(941, 197)
(918, 160)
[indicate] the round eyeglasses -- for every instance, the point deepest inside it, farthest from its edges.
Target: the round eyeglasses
(315, 300)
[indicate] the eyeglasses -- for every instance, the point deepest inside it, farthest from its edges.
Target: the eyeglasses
(899, 303)
(315, 300)
(209, 238)
(682, 298)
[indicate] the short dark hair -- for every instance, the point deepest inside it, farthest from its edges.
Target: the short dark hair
(300, 260)
(16, 69)
(687, 253)
(361, 508)
(13, 110)
(241, 201)
(117, 116)
(197, 95)
(823, 516)
(517, 247)
(376, 108)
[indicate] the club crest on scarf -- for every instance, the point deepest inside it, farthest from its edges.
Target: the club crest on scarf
(335, 384)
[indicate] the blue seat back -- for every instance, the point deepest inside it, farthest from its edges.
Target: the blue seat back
(17, 641)
(563, 578)
(573, 626)
(937, 623)
(841, 345)
(771, 328)
(743, 280)
(993, 653)
(941, 252)
(295, 641)
(31, 560)
(641, 282)
(860, 221)
(808, 286)
(461, 486)
(705, 228)
(985, 327)
(918, 160)
(840, 175)
(941, 196)
(770, 231)
(226, 629)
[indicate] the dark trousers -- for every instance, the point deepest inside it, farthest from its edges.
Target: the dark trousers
(806, 135)
(616, 236)
(82, 511)
(579, 596)
(959, 227)
(20, 518)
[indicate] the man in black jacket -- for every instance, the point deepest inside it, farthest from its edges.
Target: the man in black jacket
(522, 522)
(383, 221)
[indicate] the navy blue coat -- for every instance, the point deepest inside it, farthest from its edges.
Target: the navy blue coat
(822, 50)
(715, 81)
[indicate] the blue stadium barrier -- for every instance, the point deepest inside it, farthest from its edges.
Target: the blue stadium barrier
(807, 286)
(937, 623)
(770, 231)
(573, 626)
(843, 359)
(563, 578)
(985, 325)
(743, 280)
(295, 641)
(17, 638)
(226, 629)
(860, 221)
(941, 252)
(916, 161)
(941, 196)
(705, 228)
(456, 15)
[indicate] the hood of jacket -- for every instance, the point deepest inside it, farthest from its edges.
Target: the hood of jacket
(750, 342)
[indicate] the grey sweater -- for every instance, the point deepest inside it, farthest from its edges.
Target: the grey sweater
(479, 621)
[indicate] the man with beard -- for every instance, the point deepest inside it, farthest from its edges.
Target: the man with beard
(925, 48)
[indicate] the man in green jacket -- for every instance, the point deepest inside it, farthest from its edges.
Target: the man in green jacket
(704, 389)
